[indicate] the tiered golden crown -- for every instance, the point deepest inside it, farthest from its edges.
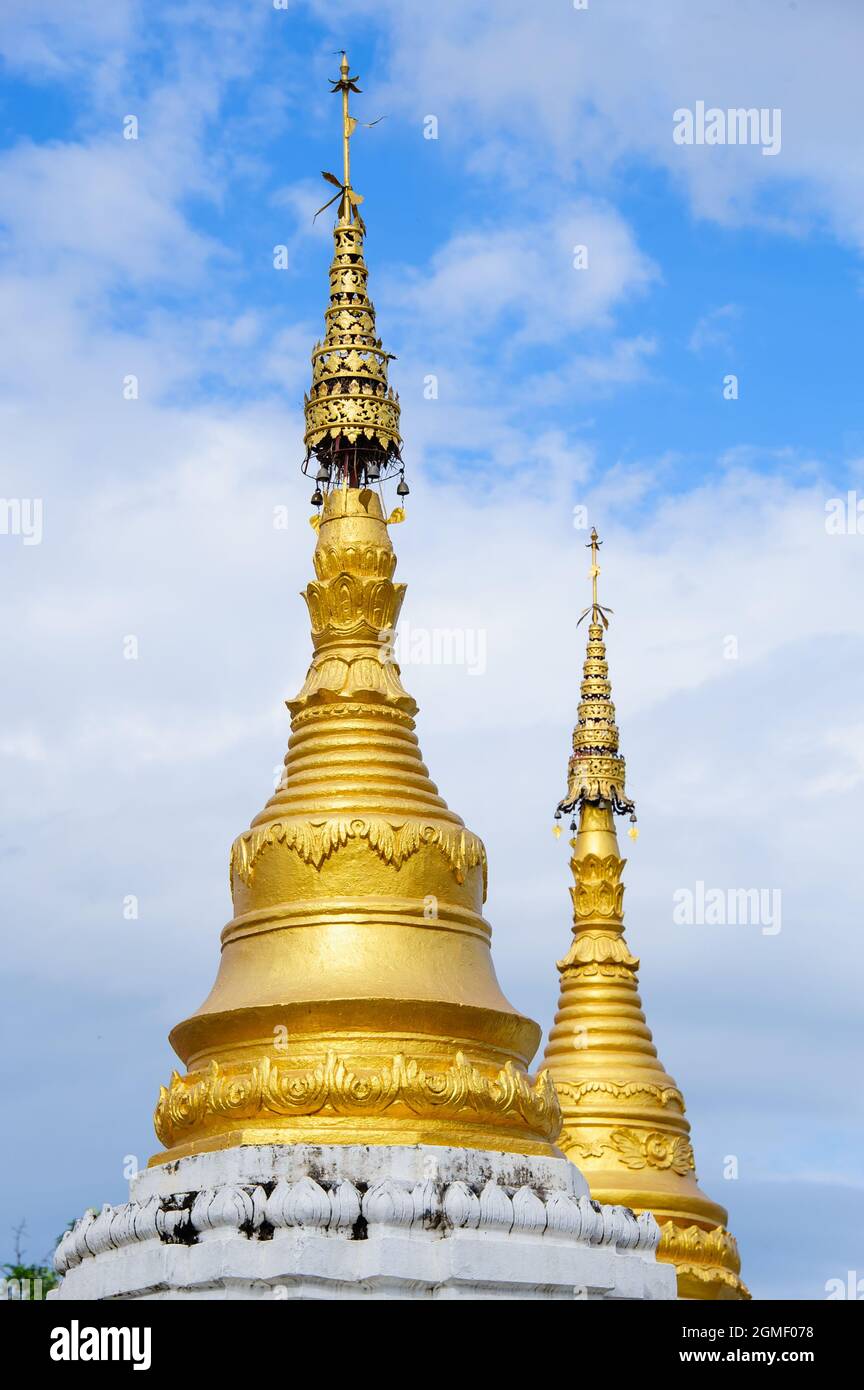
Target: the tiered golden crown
(352, 414)
(596, 772)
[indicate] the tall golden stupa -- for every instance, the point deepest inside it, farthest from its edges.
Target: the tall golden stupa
(624, 1122)
(356, 1000)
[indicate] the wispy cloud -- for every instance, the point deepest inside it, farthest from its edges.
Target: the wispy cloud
(714, 329)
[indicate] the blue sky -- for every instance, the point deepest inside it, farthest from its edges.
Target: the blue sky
(557, 388)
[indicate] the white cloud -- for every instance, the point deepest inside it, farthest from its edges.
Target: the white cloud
(519, 277)
(25, 744)
(712, 330)
(841, 762)
(110, 205)
(44, 36)
(533, 92)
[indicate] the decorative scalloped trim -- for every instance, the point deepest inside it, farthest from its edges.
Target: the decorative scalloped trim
(599, 952)
(711, 1257)
(315, 841)
(241, 1092)
(355, 710)
(576, 1091)
(432, 1208)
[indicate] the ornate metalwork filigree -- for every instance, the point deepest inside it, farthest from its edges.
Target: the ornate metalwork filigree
(315, 841)
(343, 1086)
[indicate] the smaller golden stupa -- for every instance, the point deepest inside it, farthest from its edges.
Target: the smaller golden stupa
(624, 1122)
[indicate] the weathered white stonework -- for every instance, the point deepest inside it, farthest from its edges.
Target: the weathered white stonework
(362, 1222)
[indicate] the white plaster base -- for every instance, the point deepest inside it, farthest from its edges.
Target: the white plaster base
(303, 1222)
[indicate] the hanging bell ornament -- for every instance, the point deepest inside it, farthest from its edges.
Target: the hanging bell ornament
(373, 471)
(317, 497)
(323, 474)
(403, 489)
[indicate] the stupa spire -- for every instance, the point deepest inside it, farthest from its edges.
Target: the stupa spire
(624, 1120)
(352, 414)
(346, 84)
(356, 1001)
(597, 770)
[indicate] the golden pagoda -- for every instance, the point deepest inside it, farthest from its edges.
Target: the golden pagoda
(356, 1001)
(624, 1120)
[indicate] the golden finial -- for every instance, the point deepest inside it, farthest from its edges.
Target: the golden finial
(595, 568)
(349, 200)
(596, 772)
(346, 84)
(352, 412)
(597, 611)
